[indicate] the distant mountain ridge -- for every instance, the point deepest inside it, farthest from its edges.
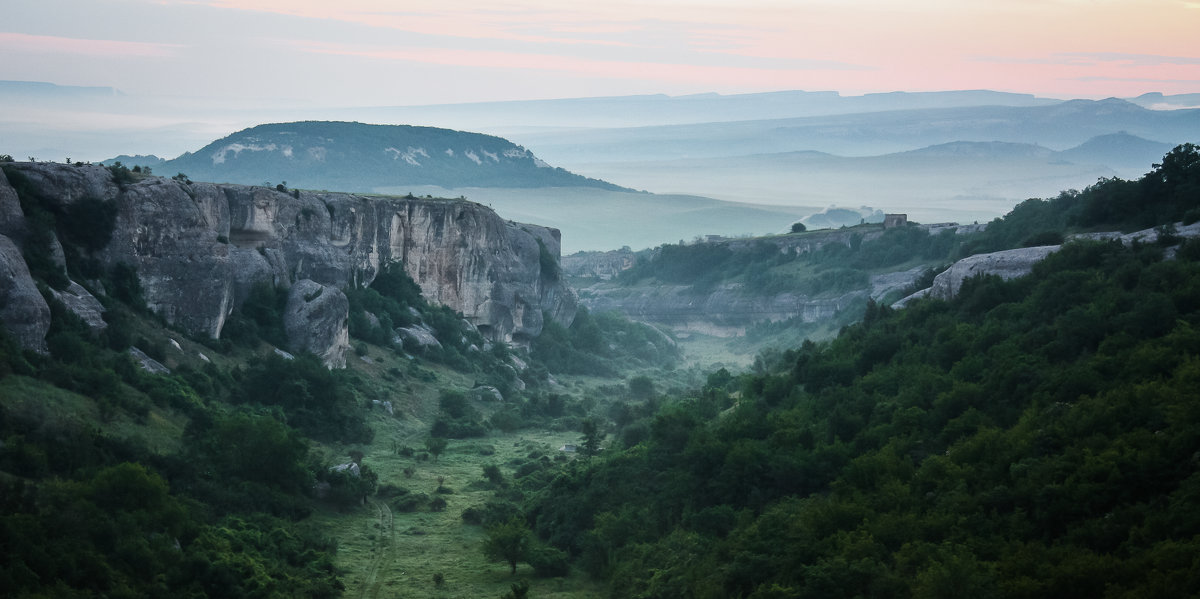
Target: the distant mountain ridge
(359, 157)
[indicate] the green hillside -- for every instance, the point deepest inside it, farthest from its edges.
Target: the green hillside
(359, 157)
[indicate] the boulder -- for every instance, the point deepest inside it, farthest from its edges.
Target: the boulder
(421, 333)
(485, 393)
(350, 468)
(23, 311)
(85, 306)
(316, 319)
(147, 363)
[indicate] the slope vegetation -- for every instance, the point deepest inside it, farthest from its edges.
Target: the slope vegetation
(359, 157)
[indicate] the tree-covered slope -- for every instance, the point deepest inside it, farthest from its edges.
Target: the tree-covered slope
(360, 157)
(1031, 438)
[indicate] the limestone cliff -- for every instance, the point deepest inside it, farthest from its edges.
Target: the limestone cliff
(1007, 264)
(23, 312)
(199, 247)
(729, 309)
(1010, 264)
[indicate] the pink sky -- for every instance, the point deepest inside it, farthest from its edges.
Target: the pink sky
(420, 52)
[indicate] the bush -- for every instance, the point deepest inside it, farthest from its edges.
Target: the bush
(547, 561)
(410, 502)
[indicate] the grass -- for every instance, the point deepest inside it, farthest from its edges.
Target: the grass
(385, 553)
(393, 554)
(58, 409)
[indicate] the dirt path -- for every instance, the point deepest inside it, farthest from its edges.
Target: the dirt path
(384, 547)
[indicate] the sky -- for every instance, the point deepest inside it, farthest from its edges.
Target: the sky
(190, 60)
(388, 52)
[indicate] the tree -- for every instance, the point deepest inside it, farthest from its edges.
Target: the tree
(641, 387)
(592, 435)
(799, 227)
(507, 542)
(436, 445)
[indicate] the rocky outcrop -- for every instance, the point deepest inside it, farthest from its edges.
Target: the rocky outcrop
(485, 393)
(23, 311)
(722, 312)
(84, 305)
(599, 265)
(198, 248)
(728, 310)
(316, 320)
(420, 335)
(1007, 264)
(147, 363)
(12, 219)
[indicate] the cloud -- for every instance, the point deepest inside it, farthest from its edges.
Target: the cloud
(640, 68)
(1135, 80)
(47, 44)
(1096, 58)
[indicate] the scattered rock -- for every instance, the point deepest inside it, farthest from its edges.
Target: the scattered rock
(350, 467)
(386, 405)
(147, 363)
(485, 393)
(517, 363)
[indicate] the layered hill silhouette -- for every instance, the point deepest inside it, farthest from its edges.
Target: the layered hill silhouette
(361, 157)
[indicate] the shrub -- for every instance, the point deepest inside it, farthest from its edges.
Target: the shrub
(410, 502)
(547, 561)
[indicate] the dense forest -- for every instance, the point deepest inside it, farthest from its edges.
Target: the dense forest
(1031, 438)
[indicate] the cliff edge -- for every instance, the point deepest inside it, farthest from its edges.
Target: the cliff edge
(198, 248)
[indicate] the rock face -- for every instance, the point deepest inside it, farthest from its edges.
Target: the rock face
(722, 312)
(198, 248)
(23, 311)
(316, 319)
(599, 265)
(728, 310)
(1007, 264)
(12, 220)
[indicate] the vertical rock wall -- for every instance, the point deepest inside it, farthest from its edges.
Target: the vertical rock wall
(199, 248)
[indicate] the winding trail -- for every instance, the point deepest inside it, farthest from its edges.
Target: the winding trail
(384, 550)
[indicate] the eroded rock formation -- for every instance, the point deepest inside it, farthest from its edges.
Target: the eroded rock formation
(315, 320)
(1007, 264)
(23, 311)
(199, 247)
